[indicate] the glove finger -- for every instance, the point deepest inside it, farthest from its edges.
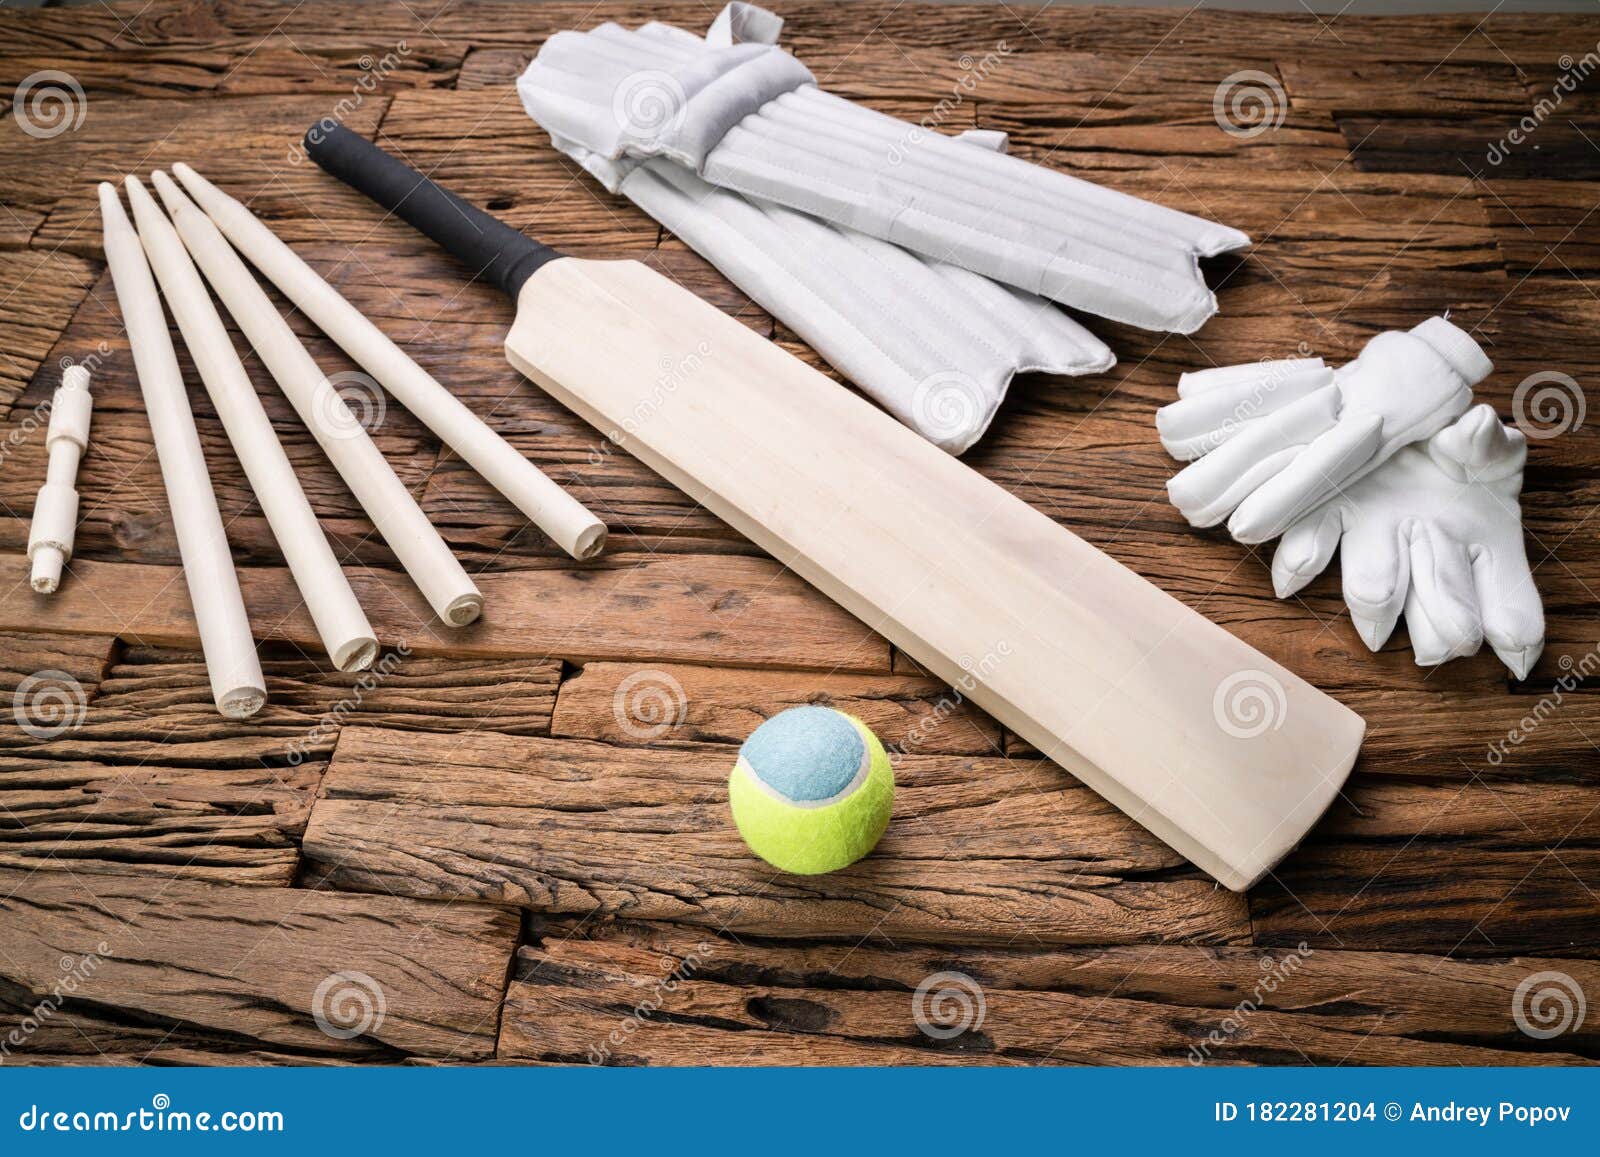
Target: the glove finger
(1442, 606)
(1306, 549)
(1375, 570)
(1429, 645)
(1230, 400)
(1512, 615)
(1477, 446)
(1208, 489)
(1334, 459)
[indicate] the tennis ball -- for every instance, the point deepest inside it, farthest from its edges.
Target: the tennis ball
(811, 791)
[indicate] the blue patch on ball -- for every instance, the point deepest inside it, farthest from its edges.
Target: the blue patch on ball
(806, 753)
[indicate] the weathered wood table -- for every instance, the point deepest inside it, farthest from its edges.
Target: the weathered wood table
(510, 843)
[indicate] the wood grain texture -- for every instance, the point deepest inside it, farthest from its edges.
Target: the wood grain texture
(979, 849)
(341, 66)
(702, 608)
(159, 1050)
(215, 799)
(1408, 145)
(1522, 860)
(403, 691)
(818, 24)
(154, 819)
(673, 704)
(42, 292)
(134, 135)
(637, 994)
(82, 659)
(1465, 835)
(1340, 85)
(245, 966)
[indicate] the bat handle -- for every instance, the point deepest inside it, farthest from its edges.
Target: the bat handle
(490, 247)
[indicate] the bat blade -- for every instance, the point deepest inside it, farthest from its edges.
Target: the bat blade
(1221, 752)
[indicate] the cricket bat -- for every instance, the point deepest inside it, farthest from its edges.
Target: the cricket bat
(1217, 749)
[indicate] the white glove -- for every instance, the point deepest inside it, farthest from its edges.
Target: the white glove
(1438, 532)
(1281, 438)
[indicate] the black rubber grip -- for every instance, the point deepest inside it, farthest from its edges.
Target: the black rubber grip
(490, 247)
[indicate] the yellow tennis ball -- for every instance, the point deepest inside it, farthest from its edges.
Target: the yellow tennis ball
(812, 790)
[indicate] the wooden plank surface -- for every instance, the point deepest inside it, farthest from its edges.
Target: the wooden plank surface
(48, 289)
(218, 799)
(671, 704)
(520, 769)
(630, 994)
(703, 608)
(979, 849)
(256, 967)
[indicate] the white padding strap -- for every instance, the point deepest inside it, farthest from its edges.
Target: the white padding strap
(622, 93)
(740, 23)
